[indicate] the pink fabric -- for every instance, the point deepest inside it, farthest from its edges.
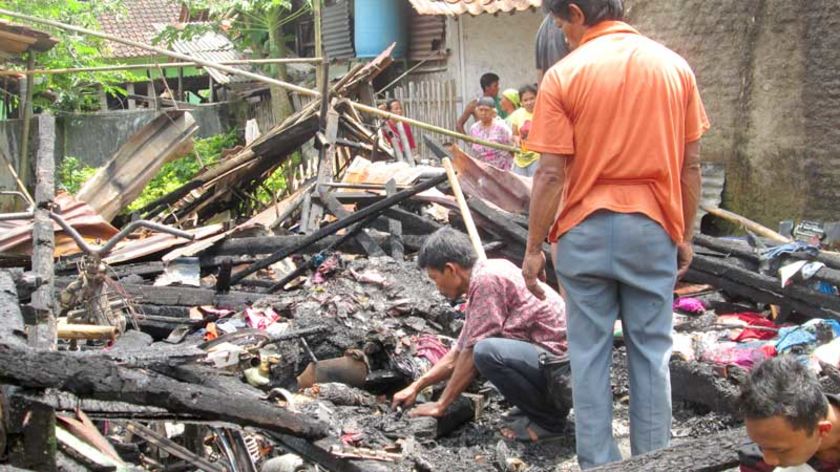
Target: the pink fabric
(260, 318)
(430, 348)
(689, 305)
(500, 305)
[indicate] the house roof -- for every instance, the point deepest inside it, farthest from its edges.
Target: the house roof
(16, 39)
(136, 21)
(473, 7)
(213, 47)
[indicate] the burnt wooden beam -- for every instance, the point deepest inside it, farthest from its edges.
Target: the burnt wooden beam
(728, 275)
(395, 227)
(43, 333)
(11, 320)
(697, 382)
(743, 250)
(713, 453)
(190, 296)
(334, 227)
(370, 246)
(102, 379)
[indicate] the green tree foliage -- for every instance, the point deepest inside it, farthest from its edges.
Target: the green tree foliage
(256, 26)
(178, 172)
(72, 174)
(71, 92)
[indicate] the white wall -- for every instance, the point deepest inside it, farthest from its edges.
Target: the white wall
(502, 43)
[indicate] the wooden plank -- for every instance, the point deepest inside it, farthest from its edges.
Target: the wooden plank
(42, 335)
(116, 184)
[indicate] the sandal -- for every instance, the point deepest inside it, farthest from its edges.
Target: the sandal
(525, 430)
(513, 414)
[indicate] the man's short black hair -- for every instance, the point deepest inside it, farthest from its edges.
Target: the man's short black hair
(444, 246)
(527, 88)
(595, 11)
(391, 103)
(785, 387)
(487, 80)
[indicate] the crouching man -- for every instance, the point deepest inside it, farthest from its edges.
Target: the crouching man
(510, 337)
(793, 424)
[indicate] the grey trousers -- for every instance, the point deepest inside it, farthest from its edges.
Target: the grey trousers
(513, 367)
(618, 266)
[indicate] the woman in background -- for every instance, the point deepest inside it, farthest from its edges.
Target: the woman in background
(492, 129)
(524, 162)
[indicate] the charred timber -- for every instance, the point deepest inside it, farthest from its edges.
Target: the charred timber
(101, 379)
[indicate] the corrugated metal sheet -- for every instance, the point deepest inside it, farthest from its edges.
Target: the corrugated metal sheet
(714, 178)
(428, 37)
(214, 47)
(473, 7)
(336, 32)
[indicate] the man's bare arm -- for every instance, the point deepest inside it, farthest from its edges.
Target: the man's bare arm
(546, 193)
(463, 374)
(469, 110)
(691, 185)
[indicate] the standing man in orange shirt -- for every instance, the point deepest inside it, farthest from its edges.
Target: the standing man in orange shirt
(617, 122)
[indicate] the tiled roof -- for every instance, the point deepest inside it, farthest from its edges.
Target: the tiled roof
(473, 7)
(136, 21)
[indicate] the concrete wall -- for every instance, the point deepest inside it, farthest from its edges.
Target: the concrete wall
(768, 74)
(502, 43)
(95, 137)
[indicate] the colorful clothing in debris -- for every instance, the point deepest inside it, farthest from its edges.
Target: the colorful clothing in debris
(752, 460)
(499, 305)
(622, 107)
(497, 132)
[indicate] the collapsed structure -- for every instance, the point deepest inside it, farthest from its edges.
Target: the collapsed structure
(231, 337)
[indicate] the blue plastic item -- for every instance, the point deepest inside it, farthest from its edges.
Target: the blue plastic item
(378, 23)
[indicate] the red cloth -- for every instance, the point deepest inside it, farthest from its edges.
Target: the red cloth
(754, 319)
(392, 125)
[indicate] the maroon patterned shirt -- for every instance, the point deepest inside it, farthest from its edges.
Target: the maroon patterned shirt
(499, 305)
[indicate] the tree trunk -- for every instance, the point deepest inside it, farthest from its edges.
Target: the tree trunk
(281, 105)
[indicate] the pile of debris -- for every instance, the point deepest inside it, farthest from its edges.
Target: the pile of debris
(228, 336)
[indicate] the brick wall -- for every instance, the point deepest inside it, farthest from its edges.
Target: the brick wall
(769, 74)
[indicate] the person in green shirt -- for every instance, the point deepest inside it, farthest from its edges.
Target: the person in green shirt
(525, 162)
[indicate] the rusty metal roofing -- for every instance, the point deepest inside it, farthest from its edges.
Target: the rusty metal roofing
(473, 7)
(136, 20)
(16, 39)
(16, 235)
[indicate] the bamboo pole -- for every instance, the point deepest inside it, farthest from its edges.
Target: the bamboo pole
(26, 116)
(258, 77)
(116, 67)
(746, 223)
(465, 210)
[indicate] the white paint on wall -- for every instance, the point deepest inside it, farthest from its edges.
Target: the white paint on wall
(502, 43)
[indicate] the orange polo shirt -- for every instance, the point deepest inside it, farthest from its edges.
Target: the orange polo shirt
(622, 108)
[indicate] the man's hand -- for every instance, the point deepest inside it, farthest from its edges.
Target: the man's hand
(433, 409)
(685, 253)
(533, 270)
(405, 397)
